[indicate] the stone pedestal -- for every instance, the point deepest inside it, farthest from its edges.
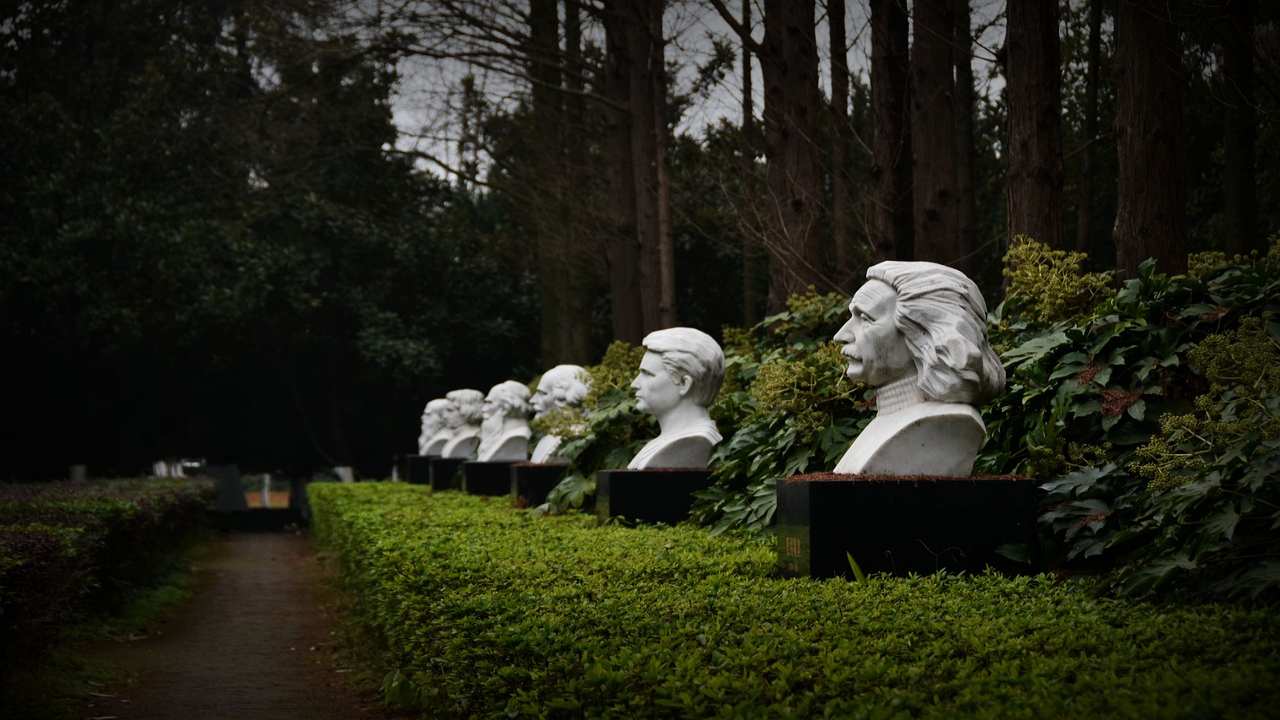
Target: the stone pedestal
(444, 473)
(486, 478)
(530, 482)
(902, 524)
(230, 491)
(648, 495)
(417, 469)
(400, 468)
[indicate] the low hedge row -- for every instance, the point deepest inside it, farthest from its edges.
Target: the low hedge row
(485, 611)
(67, 549)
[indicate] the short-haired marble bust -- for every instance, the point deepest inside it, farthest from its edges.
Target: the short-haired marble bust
(679, 377)
(434, 432)
(504, 433)
(462, 417)
(563, 386)
(917, 334)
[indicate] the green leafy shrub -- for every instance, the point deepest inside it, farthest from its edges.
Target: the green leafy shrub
(67, 549)
(485, 611)
(1212, 509)
(1086, 394)
(1047, 285)
(605, 433)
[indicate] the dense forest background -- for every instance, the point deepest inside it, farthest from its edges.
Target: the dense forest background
(214, 241)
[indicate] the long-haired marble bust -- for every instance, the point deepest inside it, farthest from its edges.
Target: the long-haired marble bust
(679, 377)
(563, 386)
(463, 416)
(504, 433)
(917, 333)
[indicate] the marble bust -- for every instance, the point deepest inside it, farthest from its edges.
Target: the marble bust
(434, 433)
(679, 377)
(917, 334)
(504, 433)
(462, 417)
(563, 386)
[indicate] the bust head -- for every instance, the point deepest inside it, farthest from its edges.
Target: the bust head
(465, 408)
(505, 399)
(680, 365)
(433, 417)
(924, 319)
(561, 386)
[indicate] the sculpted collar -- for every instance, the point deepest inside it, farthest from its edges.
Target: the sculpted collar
(898, 395)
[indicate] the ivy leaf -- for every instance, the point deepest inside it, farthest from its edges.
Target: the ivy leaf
(1078, 482)
(1224, 522)
(1036, 348)
(1138, 410)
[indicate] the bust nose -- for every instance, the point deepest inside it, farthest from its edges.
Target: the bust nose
(845, 333)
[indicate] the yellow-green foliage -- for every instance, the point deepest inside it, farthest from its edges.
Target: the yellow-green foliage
(1048, 285)
(803, 387)
(1243, 370)
(1203, 265)
(615, 372)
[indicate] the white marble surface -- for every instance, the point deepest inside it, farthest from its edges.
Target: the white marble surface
(433, 433)
(463, 417)
(504, 432)
(563, 386)
(917, 333)
(679, 377)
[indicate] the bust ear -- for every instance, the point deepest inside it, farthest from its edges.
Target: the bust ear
(684, 384)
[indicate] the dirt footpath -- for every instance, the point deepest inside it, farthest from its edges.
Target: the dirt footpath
(252, 643)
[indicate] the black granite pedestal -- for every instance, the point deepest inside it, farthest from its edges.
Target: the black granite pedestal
(486, 478)
(902, 524)
(445, 473)
(648, 495)
(418, 469)
(400, 465)
(530, 482)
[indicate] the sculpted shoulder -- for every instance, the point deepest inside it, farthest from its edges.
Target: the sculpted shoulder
(930, 438)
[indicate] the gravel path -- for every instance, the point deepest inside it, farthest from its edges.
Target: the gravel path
(252, 643)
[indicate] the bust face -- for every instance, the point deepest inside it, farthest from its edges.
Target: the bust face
(876, 350)
(656, 391)
(452, 416)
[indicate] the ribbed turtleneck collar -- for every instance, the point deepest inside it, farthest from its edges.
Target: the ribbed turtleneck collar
(898, 395)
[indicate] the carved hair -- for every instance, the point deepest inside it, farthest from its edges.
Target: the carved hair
(469, 402)
(432, 420)
(943, 317)
(511, 396)
(686, 351)
(571, 382)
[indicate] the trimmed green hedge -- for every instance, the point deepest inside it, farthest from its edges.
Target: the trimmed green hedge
(486, 611)
(69, 549)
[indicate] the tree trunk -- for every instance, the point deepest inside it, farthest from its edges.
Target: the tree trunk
(579, 273)
(661, 176)
(549, 240)
(750, 251)
(622, 251)
(933, 120)
(966, 203)
(1241, 129)
(840, 210)
(789, 61)
(891, 226)
(1084, 209)
(1035, 130)
(1150, 216)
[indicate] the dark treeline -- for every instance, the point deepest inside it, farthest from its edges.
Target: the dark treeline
(211, 244)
